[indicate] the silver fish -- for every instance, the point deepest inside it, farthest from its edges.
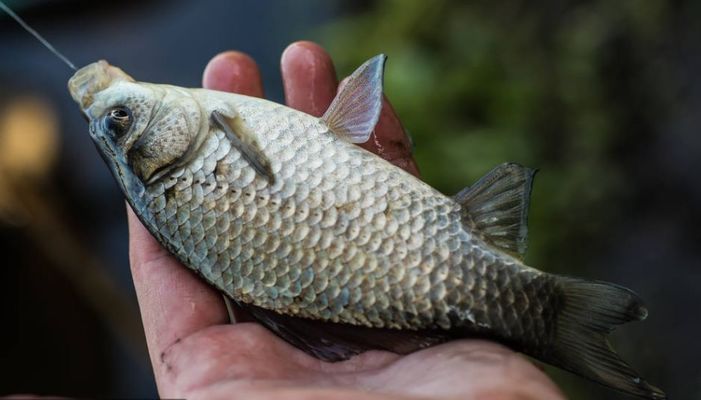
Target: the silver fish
(333, 248)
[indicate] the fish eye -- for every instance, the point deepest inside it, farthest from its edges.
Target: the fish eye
(118, 121)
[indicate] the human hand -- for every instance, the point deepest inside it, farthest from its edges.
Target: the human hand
(197, 353)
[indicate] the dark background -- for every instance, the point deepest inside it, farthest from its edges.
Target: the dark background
(603, 97)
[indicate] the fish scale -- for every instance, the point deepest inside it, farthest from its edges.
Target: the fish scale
(333, 248)
(395, 214)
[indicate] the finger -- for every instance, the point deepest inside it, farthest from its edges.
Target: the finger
(174, 303)
(390, 141)
(308, 77)
(233, 71)
(483, 369)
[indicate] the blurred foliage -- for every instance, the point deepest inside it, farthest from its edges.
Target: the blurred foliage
(477, 84)
(567, 87)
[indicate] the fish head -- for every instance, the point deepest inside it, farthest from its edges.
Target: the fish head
(141, 130)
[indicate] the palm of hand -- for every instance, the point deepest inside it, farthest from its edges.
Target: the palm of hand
(247, 361)
(196, 353)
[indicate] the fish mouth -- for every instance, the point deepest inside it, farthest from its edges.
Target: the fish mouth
(93, 78)
(128, 182)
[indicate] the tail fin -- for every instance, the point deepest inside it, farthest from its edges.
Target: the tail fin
(590, 310)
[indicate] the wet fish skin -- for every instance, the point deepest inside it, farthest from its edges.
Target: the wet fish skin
(336, 234)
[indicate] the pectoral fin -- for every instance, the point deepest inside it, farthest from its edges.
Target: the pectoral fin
(497, 207)
(241, 139)
(356, 108)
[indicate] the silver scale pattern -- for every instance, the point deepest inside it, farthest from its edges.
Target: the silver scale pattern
(341, 235)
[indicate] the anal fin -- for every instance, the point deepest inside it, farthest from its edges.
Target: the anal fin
(496, 207)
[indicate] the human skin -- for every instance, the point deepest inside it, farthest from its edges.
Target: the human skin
(197, 353)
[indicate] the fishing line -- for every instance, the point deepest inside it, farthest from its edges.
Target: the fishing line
(36, 35)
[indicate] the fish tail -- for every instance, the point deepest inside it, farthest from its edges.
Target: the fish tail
(589, 311)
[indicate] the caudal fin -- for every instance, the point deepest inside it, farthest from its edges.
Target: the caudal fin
(590, 310)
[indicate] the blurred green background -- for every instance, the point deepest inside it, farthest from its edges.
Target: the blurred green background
(603, 97)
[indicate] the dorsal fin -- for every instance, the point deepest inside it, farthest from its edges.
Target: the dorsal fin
(496, 207)
(356, 108)
(245, 143)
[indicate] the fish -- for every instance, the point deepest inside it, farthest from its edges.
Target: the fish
(333, 248)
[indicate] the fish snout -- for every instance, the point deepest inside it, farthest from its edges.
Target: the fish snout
(93, 78)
